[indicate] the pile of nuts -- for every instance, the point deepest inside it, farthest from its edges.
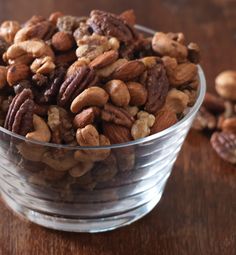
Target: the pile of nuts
(92, 81)
(218, 115)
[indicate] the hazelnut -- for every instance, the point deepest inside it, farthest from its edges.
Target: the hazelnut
(16, 73)
(54, 17)
(118, 92)
(226, 84)
(63, 41)
(138, 93)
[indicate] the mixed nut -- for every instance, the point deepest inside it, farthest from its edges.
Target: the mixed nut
(91, 81)
(218, 115)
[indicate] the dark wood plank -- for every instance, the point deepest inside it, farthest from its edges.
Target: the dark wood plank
(197, 213)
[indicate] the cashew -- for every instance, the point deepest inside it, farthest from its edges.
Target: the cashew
(93, 96)
(42, 132)
(34, 48)
(59, 164)
(81, 169)
(31, 152)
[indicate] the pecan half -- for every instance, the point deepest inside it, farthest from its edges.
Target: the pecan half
(157, 86)
(108, 24)
(19, 118)
(75, 84)
(225, 145)
(117, 115)
(213, 103)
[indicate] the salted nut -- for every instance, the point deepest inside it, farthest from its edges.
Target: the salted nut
(226, 85)
(42, 132)
(165, 46)
(94, 96)
(33, 48)
(118, 92)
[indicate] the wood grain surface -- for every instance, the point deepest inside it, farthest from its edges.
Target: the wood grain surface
(197, 214)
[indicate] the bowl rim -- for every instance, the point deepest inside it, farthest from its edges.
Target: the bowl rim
(193, 110)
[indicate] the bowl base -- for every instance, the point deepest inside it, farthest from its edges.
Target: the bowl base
(93, 225)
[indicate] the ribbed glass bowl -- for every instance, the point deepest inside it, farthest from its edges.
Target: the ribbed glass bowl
(35, 183)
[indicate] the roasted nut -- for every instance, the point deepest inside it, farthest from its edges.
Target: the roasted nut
(213, 103)
(3, 76)
(81, 31)
(128, 71)
(108, 70)
(192, 96)
(19, 117)
(8, 30)
(149, 62)
(108, 24)
(75, 84)
(225, 145)
(229, 125)
(68, 23)
(60, 123)
(81, 169)
(94, 96)
(92, 46)
(194, 53)
(164, 118)
(116, 133)
(170, 64)
(89, 136)
(177, 101)
(17, 73)
(116, 115)
(226, 85)
(165, 46)
(182, 74)
(129, 17)
(179, 37)
(138, 93)
(141, 127)
(118, 92)
(132, 110)
(43, 65)
(105, 59)
(65, 58)
(74, 67)
(62, 41)
(204, 120)
(42, 29)
(86, 117)
(54, 17)
(41, 131)
(157, 86)
(32, 48)
(59, 163)
(32, 152)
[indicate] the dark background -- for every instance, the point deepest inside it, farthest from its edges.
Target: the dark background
(197, 214)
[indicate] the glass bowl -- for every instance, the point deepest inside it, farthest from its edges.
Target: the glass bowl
(43, 183)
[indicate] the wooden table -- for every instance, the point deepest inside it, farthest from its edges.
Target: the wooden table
(197, 214)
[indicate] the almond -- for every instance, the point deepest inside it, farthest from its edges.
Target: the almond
(104, 59)
(164, 118)
(16, 73)
(116, 133)
(129, 70)
(63, 41)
